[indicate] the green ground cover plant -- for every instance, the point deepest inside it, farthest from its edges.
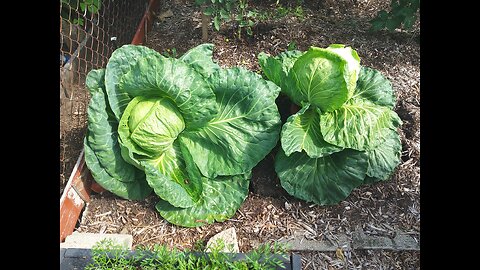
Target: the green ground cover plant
(107, 254)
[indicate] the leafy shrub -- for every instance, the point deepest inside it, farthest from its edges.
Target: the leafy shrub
(403, 14)
(219, 10)
(71, 9)
(243, 15)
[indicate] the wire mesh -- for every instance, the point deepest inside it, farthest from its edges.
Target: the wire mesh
(90, 30)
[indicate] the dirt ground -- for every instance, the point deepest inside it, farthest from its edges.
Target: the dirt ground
(269, 213)
(73, 124)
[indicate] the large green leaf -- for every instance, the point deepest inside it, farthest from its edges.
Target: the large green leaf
(102, 134)
(200, 58)
(245, 130)
(95, 81)
(383, 160)
(102, 151)
(372, 85)
(170, 179)
(169, 175)
(221, 198)
(323, 77)
(359, 124)
(302, 132)
(120, 62)
(133, 190)
(324, 181)
(140, 71)
(276, 68)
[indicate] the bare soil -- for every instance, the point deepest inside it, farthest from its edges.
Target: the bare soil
(73, 125)
(269, 213)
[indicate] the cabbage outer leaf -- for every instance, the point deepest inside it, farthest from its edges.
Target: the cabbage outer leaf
(200, 59)
(245, 130)
(372, 85)
(132, 190)
(324, 181)
(168, 173)
(102, 151)
(221, 198)
(276, 68)
(359, 124)
(383, 160)
(120, 62)
(302, 132)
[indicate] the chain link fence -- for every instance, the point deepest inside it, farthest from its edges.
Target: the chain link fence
(90, 30)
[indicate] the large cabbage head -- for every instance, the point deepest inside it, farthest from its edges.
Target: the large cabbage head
(345, 133)
(184, 128)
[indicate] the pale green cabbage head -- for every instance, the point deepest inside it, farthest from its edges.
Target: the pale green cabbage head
(153, 123)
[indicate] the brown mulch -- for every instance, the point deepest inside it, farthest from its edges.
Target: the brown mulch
(269, 213)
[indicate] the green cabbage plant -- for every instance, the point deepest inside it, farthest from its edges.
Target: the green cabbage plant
(184, 128)
(345, 133)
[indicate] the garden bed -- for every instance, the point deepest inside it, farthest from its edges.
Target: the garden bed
(269, 213)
